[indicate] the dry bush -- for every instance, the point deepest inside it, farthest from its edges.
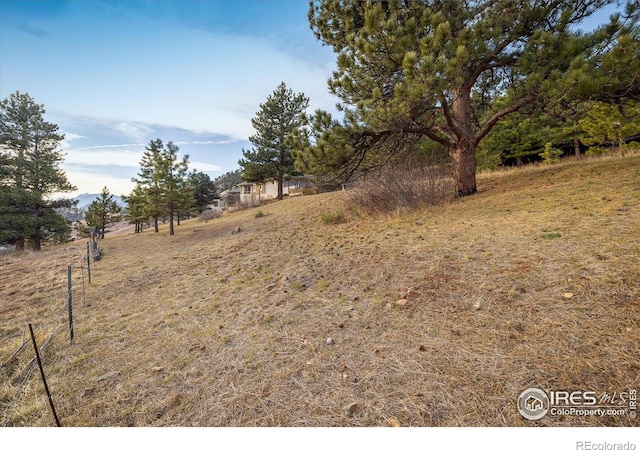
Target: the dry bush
(246, 204)
(209, 214)
(408, 185)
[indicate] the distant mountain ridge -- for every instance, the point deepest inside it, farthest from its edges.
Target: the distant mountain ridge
(84, 200)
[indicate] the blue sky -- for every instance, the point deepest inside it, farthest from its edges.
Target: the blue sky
(115, 74)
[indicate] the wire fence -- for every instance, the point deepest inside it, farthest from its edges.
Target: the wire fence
(18, 365)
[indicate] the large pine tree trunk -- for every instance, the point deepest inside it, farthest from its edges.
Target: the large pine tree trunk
(171, 214)
(20, 244)
(280, 187)
(576, 141)
(36, 243)
(36, 237)
(463, 165)
(463, 154)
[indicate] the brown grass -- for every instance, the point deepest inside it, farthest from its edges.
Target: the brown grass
(439, 318)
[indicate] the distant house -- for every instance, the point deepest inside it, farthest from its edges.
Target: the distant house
(228, 199)
(255, 193)
(250, 194)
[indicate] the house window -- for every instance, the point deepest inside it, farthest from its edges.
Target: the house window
(247, 190)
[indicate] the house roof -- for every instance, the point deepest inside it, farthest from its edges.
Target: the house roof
(228, 192)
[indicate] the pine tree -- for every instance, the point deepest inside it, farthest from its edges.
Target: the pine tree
(550, 155)
(163, 180)
(614, 75)
(435, 68)
(322, 148)
(136, 211)
(150, 179)
(228, 180)
(30, 172)
(103, 212)
(204, 190)
(176, 190)
(271, 157)
(610, 126)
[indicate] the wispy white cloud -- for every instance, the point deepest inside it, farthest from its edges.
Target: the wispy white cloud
(108, 146)
(68, 138)
(100, 159)
(223, 142)
(112, 155)
(135, 130)
(216, 95)
(72, 136)
(204, 167)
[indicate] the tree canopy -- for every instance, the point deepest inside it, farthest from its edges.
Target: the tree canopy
(450, 71)
(103, 212)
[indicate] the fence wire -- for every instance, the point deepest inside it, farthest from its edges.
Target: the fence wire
(18, 365)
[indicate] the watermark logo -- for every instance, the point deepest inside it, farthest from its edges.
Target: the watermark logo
(533, 404)
(588, 445)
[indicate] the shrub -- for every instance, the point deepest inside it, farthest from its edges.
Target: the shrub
(412, 184)
(550, 155)
(333, 216)
(209, 214)
(550, 234)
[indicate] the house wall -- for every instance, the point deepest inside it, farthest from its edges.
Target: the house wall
(268, 191)
(248, 193)
(218, 205)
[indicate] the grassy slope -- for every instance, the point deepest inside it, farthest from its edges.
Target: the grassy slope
(439, 318)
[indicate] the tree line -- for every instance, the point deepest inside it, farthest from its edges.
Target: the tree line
(30, 173)
(164, 188)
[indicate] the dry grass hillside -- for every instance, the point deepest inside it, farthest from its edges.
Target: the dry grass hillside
(436, 318)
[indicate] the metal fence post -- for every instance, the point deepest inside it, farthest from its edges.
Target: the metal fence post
(69, 303)
(88, 263)
(44, 380)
